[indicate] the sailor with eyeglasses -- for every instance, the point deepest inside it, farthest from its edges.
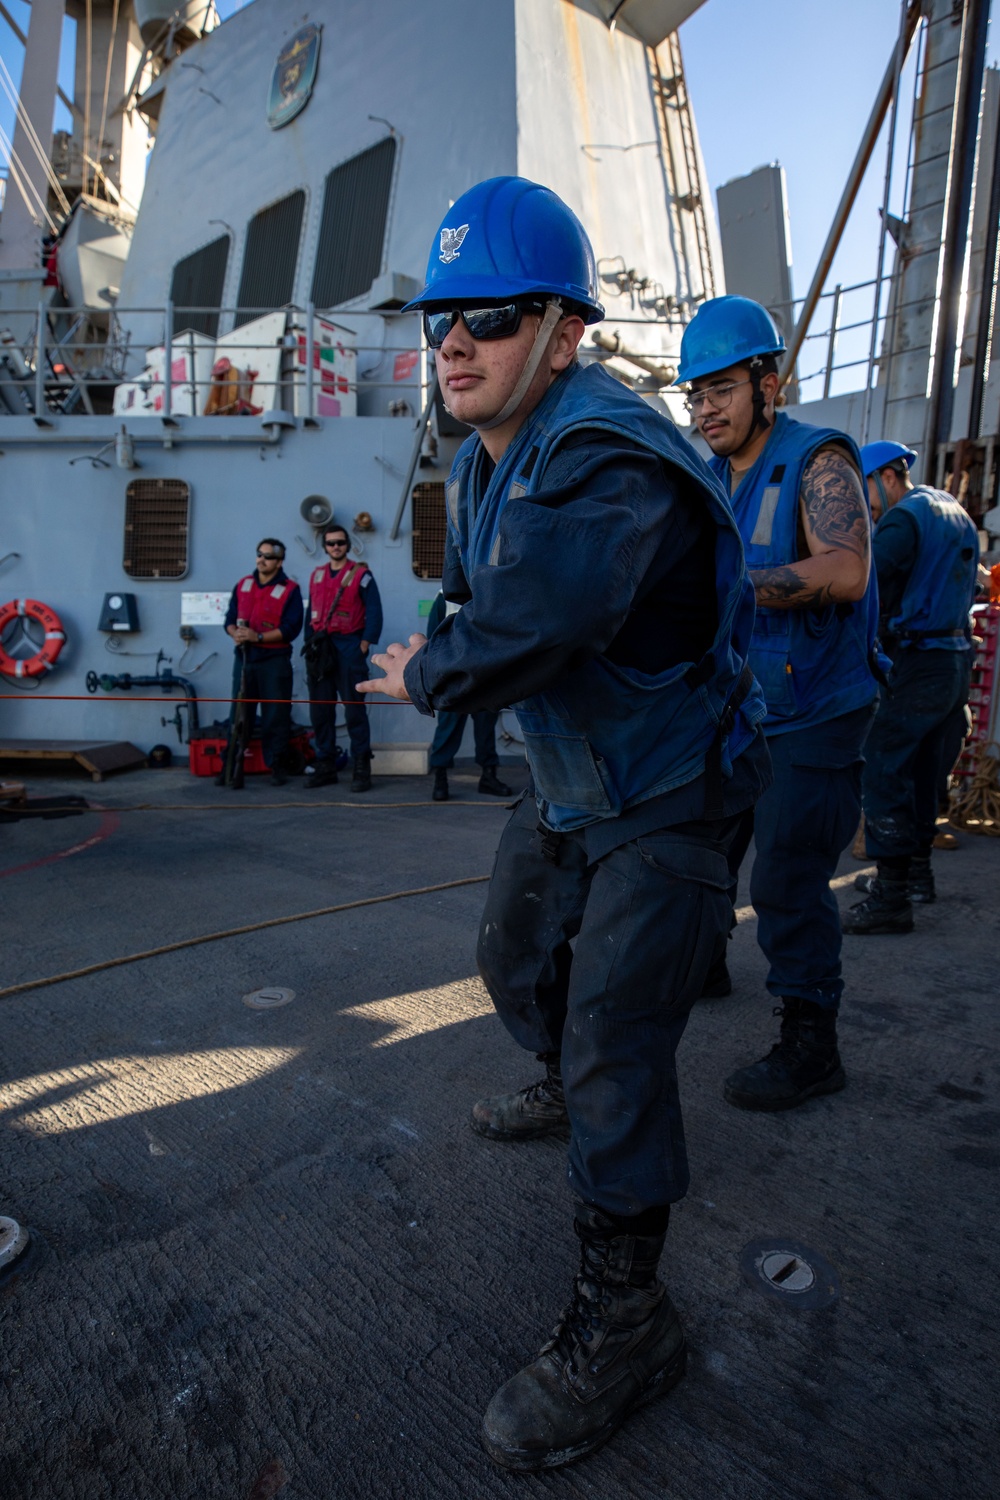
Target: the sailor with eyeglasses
(802, 510)
(605, 598)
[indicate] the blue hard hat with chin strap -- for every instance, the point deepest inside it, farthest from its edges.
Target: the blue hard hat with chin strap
(507, 238)
(882, 455)
(726, 331)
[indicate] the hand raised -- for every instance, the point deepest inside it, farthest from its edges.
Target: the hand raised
(393, 661)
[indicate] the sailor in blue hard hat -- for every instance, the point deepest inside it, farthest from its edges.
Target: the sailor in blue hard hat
(886, 466)
(926, 557)
(604, 595)
(800, 504)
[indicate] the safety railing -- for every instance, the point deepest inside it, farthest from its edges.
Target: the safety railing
(843, 341)
(159, 361)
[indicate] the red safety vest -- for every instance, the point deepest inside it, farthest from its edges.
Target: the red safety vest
(324, 586)
(261, 608)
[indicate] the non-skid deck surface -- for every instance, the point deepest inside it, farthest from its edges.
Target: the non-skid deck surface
(270, 1238)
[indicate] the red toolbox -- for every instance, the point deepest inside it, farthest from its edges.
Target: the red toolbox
(206, 757)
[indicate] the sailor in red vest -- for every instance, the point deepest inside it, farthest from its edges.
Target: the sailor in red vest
(264, 617)
(345, 619)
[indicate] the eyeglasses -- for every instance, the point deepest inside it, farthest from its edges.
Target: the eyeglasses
(719, 395)
(269, 556)
(483, 323)
(341, 543)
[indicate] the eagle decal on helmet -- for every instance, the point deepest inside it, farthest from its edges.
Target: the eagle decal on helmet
(451, 242)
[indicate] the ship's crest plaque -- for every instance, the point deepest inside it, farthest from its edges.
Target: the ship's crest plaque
(294, 76)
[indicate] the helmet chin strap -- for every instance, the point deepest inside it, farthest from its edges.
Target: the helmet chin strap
(760, 418)
(553, 312)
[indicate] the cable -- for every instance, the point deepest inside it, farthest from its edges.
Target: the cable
(215, 937)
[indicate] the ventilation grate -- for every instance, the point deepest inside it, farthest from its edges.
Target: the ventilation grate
(267, 279)
(198, 282)
(430, 527)
(156, 528)
(352, 229)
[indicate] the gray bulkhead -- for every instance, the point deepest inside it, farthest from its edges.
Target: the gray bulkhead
(468, 89)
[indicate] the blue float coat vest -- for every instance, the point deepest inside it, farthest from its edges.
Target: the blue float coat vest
(608, 737)
(939, 593)
(813, 665)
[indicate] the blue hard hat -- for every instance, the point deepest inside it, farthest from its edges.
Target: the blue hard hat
(876, 456)
(726, 331)
(508, 237)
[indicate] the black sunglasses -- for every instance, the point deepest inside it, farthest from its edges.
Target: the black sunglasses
(482, 322)
(342, 542)
(270, 556)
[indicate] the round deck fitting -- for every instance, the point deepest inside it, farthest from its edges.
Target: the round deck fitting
(269, 998)
(791, 1272)
(14, 1241)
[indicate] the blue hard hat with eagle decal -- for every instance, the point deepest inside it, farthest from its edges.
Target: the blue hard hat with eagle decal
(506, 238)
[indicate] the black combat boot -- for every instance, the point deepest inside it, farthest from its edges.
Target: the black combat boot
(919, 882)
(362, 779)
(886, 909)
(440, 792)
(718, 981)
(539, 1109)
(802, 1063)
(490, 783)
(325, 774)
(618, 1345)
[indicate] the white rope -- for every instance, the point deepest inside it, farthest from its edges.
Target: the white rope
(23, 182)
(7, 83)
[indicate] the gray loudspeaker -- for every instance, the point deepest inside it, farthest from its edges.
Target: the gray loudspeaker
(316, 510)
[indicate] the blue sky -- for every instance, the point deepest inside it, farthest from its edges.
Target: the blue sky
(790, 81)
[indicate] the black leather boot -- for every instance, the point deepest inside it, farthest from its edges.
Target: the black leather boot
(325, 774)
(885, 910)
(362, 779)
(804, 1061)
(618, 1345)
(440, 792)
(920, 886)
(490, 783)
(539, 1109)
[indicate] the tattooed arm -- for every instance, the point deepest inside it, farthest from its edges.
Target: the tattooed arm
(837, 531)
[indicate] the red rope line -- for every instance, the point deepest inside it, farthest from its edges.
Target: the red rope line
(165, 698)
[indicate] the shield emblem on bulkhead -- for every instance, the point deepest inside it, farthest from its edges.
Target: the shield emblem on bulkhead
(294, 75)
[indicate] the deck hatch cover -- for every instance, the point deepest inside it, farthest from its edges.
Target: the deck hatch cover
(270, 255)
(352, 227)
(198, 282)
(430, 527)
(156, 528)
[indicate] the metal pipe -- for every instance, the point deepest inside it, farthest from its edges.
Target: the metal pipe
(975, 29)
(310, 356)
(168, 358)
(832, 345)
(40, 363)
(848, 196)
(866, 408)
(987, 298)
(612, 344)
(418, 443)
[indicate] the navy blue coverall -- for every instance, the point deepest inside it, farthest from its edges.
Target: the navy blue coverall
(269, 674)
(449, 730)
(926, 699)
(642, 896)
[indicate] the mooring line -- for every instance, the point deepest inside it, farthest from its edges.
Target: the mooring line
(215, 937)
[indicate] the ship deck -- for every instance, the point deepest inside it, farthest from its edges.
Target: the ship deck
(272, 1258)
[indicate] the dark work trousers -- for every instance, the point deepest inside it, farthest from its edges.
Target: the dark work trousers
(956, 732)
(649, 919)
(268, 679)
(927, 690)
(448, 737)
(801, 826)
(352, 668)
